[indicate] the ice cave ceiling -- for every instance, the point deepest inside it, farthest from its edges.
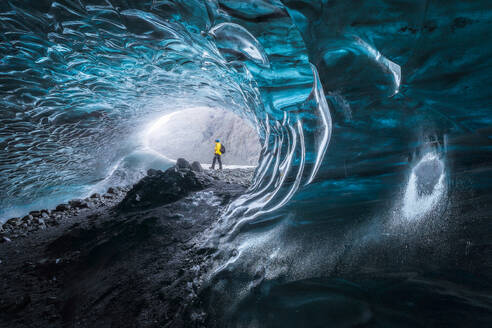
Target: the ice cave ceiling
(396, 75)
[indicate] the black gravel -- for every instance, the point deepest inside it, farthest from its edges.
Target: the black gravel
(90, 264)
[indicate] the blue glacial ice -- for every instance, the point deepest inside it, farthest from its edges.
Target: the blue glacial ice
(372, 191)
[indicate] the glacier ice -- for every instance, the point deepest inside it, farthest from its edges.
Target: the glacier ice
(342, 96)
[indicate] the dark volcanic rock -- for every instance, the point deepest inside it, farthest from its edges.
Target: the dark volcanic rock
(14, 222)
(195, 166)
(162, 188)
(104, 268)
(27, 218)
(62, 207)
(111, 190)
(78, 203)
(182, 163)
(35, 213)
(151, 172)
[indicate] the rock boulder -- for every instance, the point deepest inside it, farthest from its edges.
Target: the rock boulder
(195, 166)
(182, 163)
(162, 188)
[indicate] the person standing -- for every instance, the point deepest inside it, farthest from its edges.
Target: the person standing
(217, 154)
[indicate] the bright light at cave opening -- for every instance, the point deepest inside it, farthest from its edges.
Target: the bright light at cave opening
(190, 133)
(152, 128)
(425, 187)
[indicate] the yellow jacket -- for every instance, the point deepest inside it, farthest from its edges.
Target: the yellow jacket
(217, 148)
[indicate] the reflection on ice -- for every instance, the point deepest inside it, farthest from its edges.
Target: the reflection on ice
(235, 40)
(392, 67)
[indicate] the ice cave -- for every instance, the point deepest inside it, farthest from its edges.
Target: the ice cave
(356, 143)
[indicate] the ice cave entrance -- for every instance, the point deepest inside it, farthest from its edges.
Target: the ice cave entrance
(190, 134)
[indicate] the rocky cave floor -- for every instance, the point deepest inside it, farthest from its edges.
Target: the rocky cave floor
(127, 258)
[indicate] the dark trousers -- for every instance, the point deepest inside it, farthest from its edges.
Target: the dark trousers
(217, 157)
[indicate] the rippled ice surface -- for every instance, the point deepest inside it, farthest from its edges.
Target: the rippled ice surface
(371, 201)
(80, 81)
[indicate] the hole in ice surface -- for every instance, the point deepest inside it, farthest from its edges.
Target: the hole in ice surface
(190, 133)
(425, 187)
(427, 175)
